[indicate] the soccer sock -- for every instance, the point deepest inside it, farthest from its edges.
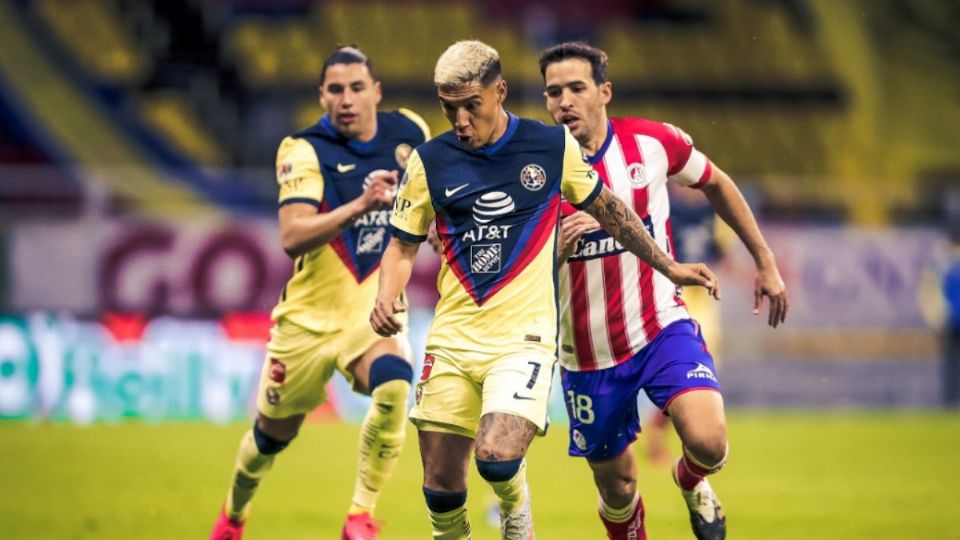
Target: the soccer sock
(381, 439)
(689, 474)
(448, 514)
(624, 523)
(452, 525)
(251, 467)
(619, 515)
(512, 492)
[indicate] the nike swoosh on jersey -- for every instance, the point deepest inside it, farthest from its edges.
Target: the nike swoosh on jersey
(516, 395)
(450, 192)
(341, 168)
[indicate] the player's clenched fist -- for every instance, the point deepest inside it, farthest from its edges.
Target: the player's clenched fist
(379, 188)
(382, 317)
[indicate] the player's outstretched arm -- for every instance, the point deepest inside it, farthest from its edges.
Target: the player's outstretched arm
(302, 229)
(626, 227)
(729, 204)
(396, 267)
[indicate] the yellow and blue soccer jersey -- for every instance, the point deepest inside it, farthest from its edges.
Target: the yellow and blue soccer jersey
(334, 286)
(497, 211)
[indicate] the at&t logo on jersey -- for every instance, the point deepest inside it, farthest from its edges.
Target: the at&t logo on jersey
(492, 205)
(370, 240)
(373, 218)
(533, 177)
(701, 372)
(485, 258)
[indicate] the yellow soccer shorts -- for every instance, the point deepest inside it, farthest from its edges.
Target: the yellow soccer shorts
(299, 364)
(452, 396)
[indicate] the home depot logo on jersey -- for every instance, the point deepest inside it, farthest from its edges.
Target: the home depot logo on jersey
(485, 258)
(370, 240)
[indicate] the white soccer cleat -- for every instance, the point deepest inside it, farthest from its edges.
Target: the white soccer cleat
(518, 525)
(706, 513)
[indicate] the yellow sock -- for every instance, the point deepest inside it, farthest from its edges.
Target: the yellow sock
(251, 467)
(452, 525)
(512, 492)
(381, 439)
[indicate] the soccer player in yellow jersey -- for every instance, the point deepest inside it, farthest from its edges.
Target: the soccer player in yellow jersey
(337, 179)
(493, 183)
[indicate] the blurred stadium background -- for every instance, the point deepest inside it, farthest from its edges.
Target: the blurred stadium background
(139, 253)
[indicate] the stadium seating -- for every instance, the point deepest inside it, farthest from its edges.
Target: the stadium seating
(98, 37)
(758, 83)
(168, 114)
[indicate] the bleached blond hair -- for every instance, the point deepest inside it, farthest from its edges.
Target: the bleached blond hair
(465, 63)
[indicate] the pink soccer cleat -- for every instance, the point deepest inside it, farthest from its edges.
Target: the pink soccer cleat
(227, 529)
(361, 527)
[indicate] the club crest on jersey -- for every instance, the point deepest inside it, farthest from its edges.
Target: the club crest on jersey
(637, 174)
(278, 371)
(491, 206)
(273, 396)
(485, 258)
(370, 240)
(402, 154)
(533, 177)
(428, 361)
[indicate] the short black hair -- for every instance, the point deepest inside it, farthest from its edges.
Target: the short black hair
(576, 49)
(346, 54)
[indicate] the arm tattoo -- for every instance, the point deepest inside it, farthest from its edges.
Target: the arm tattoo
(625, 226)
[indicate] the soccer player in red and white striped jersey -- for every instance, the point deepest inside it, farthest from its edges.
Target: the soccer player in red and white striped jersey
(624, 327)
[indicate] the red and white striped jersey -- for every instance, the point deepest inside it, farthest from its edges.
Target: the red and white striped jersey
(612, 303)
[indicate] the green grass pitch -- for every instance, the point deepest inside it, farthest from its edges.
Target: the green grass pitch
(791, 475)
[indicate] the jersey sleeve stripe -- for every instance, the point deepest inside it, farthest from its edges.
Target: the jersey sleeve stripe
(291, 200)
(705, 177)
(405, 236)
(592, 197)
(692, 170)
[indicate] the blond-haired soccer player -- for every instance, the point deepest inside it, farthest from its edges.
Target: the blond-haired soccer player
(624, 328)
(337, 180)
(493, 183)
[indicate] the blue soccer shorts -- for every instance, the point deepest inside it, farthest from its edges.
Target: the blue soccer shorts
(602, 405)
